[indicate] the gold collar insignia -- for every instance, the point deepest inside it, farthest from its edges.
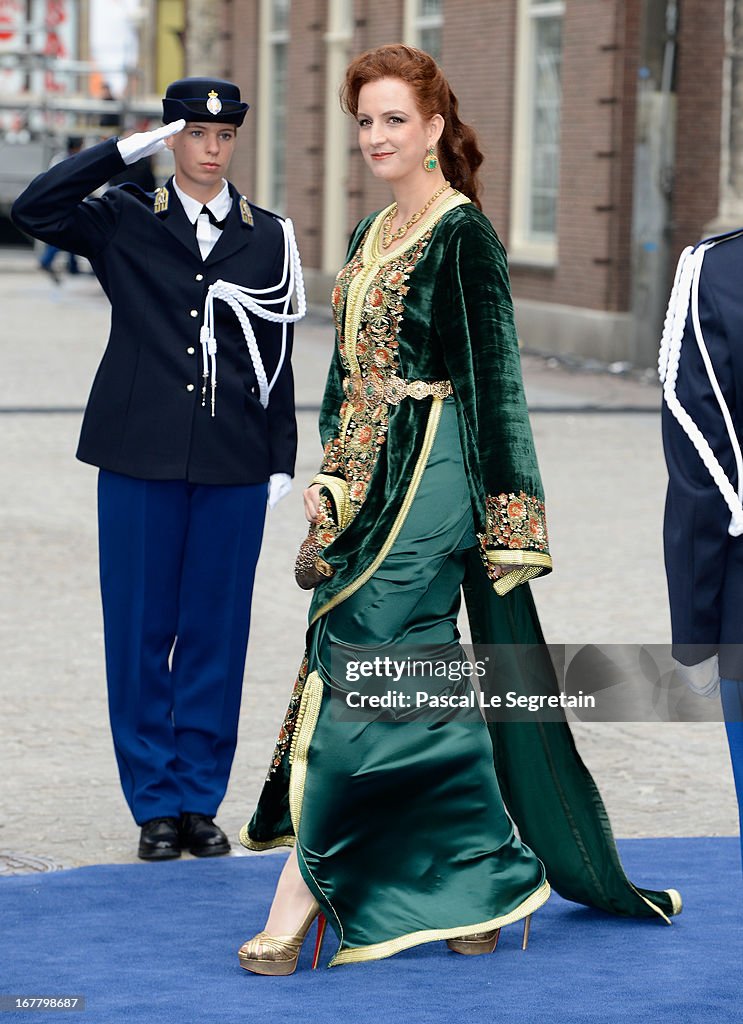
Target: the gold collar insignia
(245, 212)
(162, 198)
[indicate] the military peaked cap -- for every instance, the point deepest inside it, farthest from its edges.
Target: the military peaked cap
(204, 99)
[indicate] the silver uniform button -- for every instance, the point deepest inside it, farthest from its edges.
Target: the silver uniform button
(189, 387)
(199, 277)
(190, 351)
(194, 312)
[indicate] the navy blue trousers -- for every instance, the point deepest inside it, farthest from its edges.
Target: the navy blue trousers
(177, 564)
(731, 691)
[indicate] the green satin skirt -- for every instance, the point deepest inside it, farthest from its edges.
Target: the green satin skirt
(400, 826)
(402, 834)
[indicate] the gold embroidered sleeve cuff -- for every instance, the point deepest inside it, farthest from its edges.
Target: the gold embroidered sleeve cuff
(516, 522)
(527, 565)
(339, 492)
(516, 535)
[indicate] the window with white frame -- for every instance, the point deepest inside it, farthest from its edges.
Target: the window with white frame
(424, 20)
(536, 162)
(273, 93)
(338, 42)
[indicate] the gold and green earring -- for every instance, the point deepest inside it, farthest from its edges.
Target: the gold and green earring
(431, 161)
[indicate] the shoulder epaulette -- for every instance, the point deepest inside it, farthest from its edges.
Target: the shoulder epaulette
(260, 209)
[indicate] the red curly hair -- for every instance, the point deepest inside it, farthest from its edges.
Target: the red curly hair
(458, 150)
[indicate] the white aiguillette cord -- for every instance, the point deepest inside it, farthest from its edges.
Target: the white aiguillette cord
(686, 288)
(239, 299)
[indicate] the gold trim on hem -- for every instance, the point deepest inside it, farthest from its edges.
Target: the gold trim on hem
(655, 906)
(251, 844)
(309, 711)
(434, 416)
(380, 950)
(677, 903)
(304, 730)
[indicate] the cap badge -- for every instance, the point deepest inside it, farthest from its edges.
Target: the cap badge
(213, 103)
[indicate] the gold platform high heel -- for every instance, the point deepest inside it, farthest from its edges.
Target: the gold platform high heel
(278, 954)
(484, 942)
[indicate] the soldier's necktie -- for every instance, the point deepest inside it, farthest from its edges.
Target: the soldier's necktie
(217, 223)
(204, 234)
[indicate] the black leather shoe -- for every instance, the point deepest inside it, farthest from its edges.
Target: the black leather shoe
(201, 837)
(159, 839)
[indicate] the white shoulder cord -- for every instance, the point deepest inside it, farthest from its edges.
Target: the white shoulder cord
(239, 299)
(686, 287)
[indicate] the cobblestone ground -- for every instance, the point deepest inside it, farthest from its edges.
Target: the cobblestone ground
(59, 792)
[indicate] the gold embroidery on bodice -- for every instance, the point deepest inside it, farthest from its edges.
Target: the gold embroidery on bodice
(368, 306)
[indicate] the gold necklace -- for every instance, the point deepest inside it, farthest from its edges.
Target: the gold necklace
(388, 238)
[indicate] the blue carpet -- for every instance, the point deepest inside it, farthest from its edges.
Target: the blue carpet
(157, 943)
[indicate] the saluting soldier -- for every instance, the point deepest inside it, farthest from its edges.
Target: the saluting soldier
(701, 366)
(191, 423)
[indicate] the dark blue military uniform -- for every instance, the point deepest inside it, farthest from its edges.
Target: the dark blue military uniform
(702, 530)
(704, 563)
(182, 492)
(144, 416)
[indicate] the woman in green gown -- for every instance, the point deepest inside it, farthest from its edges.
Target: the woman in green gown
(429, 486)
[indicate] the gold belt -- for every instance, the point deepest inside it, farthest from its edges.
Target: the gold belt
(392, 389)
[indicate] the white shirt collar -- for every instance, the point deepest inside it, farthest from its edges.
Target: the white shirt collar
(220, 205)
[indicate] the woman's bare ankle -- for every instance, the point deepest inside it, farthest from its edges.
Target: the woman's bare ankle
(291, 902)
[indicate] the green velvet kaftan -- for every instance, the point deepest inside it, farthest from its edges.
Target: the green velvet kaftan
(400, 826)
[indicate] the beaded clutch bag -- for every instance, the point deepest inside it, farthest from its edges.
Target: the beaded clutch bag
(310, 568)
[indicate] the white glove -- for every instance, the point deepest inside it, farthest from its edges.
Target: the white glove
(702, 679)
(279, 485)
(142, 144)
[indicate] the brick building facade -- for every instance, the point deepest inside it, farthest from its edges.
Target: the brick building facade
(575, 101)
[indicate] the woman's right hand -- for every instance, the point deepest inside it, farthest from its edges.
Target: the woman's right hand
(312, 502)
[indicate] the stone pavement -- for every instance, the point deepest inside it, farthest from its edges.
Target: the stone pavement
(60, 801)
